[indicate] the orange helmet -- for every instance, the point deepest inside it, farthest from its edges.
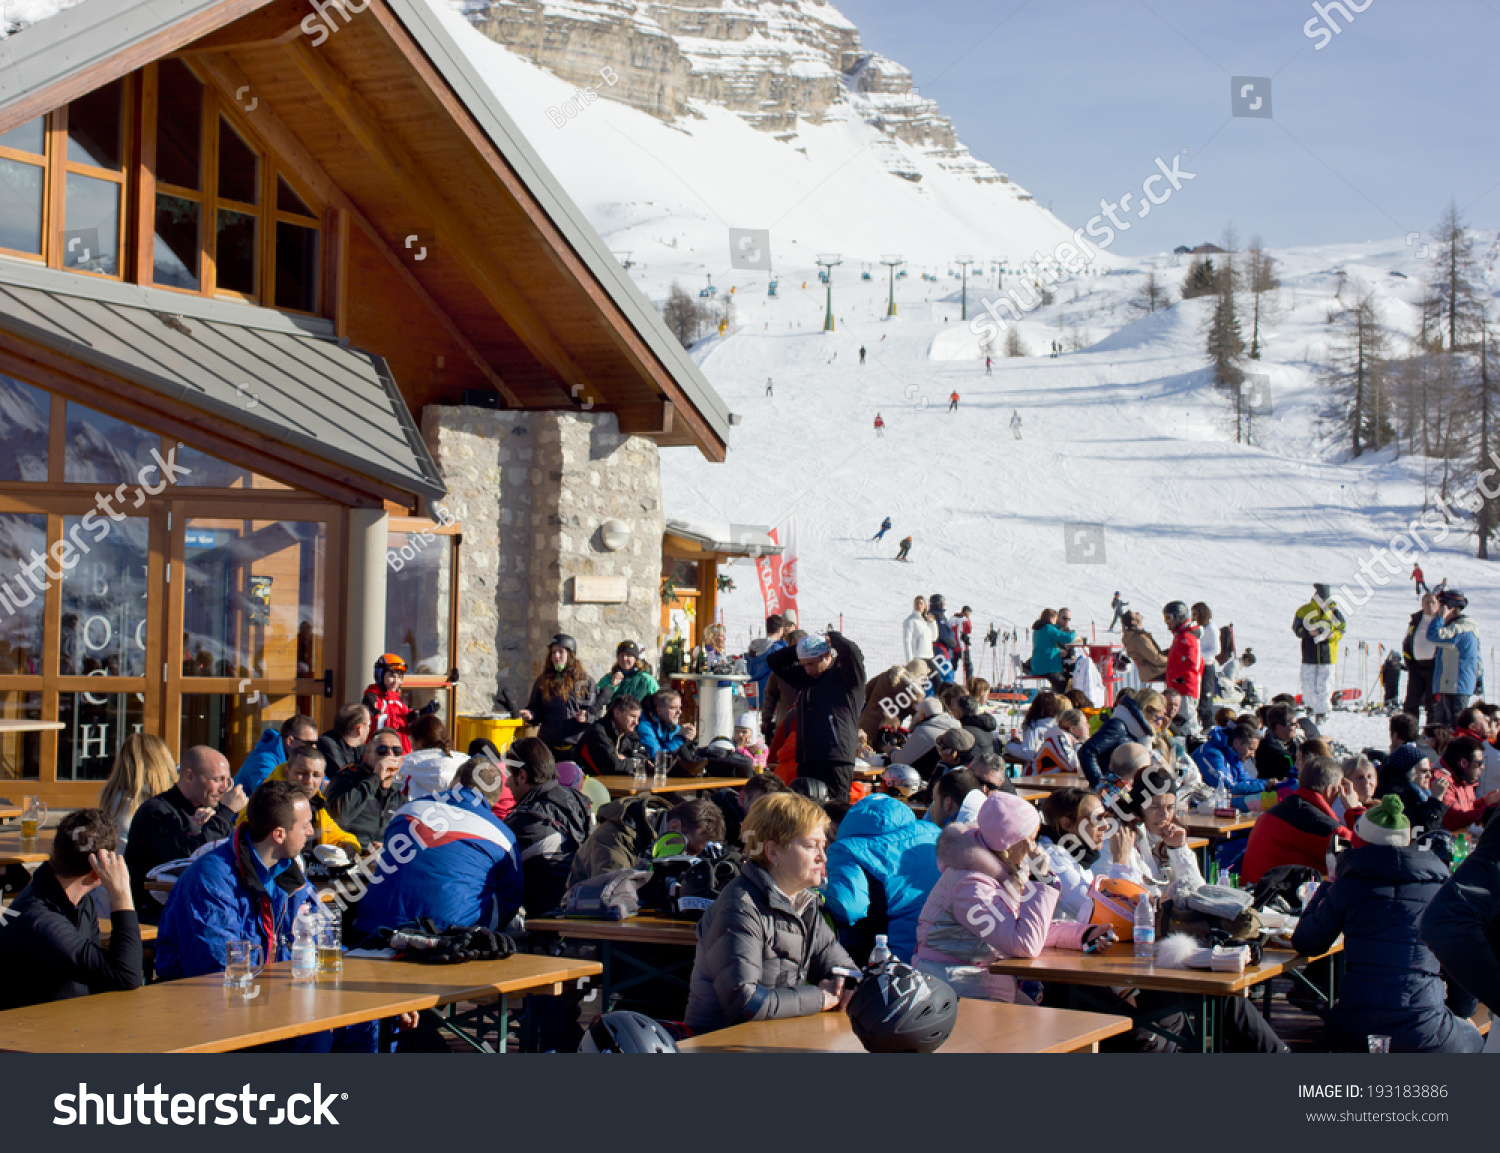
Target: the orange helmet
(1114, 905)
(388, 663)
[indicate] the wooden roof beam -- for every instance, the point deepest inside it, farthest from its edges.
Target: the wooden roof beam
(227, 77)
(278, 23)
(405, 174)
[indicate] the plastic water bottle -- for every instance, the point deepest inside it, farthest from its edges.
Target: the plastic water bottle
(305, 945)
(1145, 928)
(880, 955)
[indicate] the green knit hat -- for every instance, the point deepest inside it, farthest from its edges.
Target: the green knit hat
(1385, 823)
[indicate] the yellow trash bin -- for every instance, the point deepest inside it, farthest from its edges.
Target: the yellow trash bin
(496, 726)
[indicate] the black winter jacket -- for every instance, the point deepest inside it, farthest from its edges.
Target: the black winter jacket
(1462, 923)
(1275, 760)
(551, 823)
(558, 727)
(1391, 984)
(985, 730)
(1094, 753)
(160, 833)
(50, 950)
(603, 747)
(338, 755)
(828, 706)
(360, 806)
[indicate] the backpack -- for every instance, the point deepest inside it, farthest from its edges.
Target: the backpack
(1226, 644)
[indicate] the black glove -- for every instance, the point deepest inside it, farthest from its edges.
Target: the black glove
(429, 708)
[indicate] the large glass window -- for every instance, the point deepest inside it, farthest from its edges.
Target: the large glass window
(175, 258)
(296, 267)
(22, 187)
(253, 598)
(417, 600)
(91, 242)
(231, 723)
(25, 416)
(96, 128)
(179, 126)
(95, 725)
(103, 450)
(23, 538)
(200, 470)
(20, 753)
(104, 598)
(94, 182)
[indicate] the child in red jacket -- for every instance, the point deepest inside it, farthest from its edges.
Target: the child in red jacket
(383, 699)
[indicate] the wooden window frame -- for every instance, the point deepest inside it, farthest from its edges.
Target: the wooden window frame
(35, 161)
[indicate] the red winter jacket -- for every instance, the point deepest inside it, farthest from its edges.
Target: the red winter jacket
(1465, 804)
(1184, 661)
(389, 711)
(1295, 831)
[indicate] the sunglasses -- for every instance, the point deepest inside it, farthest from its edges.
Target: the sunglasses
(387, 750)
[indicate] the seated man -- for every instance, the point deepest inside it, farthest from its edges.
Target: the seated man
(662, 731)
(982, 726)
(956, 796)
(273, 749)
(611, 739)
(49, 937)
(198, 809)
(881, 867)
(447, 857)
(363, 798)
(550, 821)
(991, 775)
(735, 803)
(1276, 757)
(305, 770)
(630, 826)
(1300, 829)
(1228, 758)
(344, 744)
(954, 749)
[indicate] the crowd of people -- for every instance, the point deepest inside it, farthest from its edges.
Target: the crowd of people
(940, 860)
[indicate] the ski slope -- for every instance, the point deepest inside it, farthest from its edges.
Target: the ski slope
(1124, 430)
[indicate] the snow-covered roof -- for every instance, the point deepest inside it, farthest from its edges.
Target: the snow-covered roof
(727, 538)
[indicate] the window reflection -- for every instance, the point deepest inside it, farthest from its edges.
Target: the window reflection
(417, 601)
(23, 536)
(25, 416)
(104, 599)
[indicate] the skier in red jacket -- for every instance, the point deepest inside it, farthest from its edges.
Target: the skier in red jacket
(383, 699)
(1184, 662)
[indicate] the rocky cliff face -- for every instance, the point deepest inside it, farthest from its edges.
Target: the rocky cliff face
(774, 62)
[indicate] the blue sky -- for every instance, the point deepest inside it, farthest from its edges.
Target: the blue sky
(1370, 137)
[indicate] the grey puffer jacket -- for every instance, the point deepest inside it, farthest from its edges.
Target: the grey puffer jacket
(761, 955)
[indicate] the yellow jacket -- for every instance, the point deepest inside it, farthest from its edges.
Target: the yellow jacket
(328, 829)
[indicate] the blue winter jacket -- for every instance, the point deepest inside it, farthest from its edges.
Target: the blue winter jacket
(269, 752)
(213, 904)
(1046, 649)
(659, 737)
(759, 668)
(881, 843)
(463, 871)
(1457, 669)
(1220, 764)
(1391, 984)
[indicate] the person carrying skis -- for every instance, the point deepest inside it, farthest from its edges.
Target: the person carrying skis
(885, 527)
(1015, 423)
(905, 549)
(953, 401)
(879, 425)
(1119, 606)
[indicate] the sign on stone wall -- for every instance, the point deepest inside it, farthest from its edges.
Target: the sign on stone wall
(599, 590)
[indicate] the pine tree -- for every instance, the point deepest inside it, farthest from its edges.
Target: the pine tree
(1014, 346)
(1455, 281)
(1260, 278)
(1150, 296)
(1357, 372)
(1202, 278)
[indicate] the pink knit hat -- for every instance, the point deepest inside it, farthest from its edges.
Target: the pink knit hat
(1005, 819)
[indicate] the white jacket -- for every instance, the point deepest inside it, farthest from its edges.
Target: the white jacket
(917, 636)
(1075, 904)
(1144, 868)
(1031, 740)
(427, 771)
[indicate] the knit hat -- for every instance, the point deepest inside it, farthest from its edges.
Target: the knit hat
(958, 740)
(917, 667)
(1404, 759)
(1385, 823)
(745, 721)
(812, 646)
(569, 774)
(1005, 819)
(928, 707)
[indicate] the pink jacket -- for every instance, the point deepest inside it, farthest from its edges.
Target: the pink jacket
(976, 913)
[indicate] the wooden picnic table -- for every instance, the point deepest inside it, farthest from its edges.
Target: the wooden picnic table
(1216, 828)
(1035, 796)
(1051, 782)
(643, 928)
(195, 1016)
(631, 950)
(148, 932)
(1119, 968)
(18, 850)
(623, 786)
(9, 813)
(983, 1027)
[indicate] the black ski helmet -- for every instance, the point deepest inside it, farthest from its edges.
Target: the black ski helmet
(936, 603)
(1453, 599)
(564, 641)
(1175, 611)
(1321, 591)
(811, 788)
(897, 1009)
(625, 1032)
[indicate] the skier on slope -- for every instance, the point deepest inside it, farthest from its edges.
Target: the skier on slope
(861, 354)
(1319, 625)
(986, 366)
(879, 425)
(1015, 424)
(905, 549)
(768, 386)
(1119, 606)
(953, 401)
(885, 527)
(1418, 579)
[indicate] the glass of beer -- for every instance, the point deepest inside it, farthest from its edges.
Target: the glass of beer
(33, 817)
(330, 946)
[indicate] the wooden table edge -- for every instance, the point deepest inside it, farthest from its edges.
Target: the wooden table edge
(1110, 1025)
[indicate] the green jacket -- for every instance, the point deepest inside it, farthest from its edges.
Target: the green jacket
(638, 683)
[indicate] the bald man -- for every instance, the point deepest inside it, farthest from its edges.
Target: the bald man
(201, 807)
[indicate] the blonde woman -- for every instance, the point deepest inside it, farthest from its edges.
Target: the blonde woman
(143, 768)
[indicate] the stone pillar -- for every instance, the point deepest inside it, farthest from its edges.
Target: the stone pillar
(531, 490)
(365, 640)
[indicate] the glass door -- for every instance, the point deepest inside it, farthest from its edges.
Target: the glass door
(255, 617)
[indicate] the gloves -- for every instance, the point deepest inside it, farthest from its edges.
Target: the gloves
(429, 708)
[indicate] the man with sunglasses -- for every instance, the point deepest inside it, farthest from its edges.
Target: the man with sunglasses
(363, 798)
(1463, 765)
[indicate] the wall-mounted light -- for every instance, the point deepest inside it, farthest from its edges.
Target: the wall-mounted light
(615, 534)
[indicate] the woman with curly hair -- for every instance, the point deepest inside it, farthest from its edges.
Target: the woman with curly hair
(562, 698)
